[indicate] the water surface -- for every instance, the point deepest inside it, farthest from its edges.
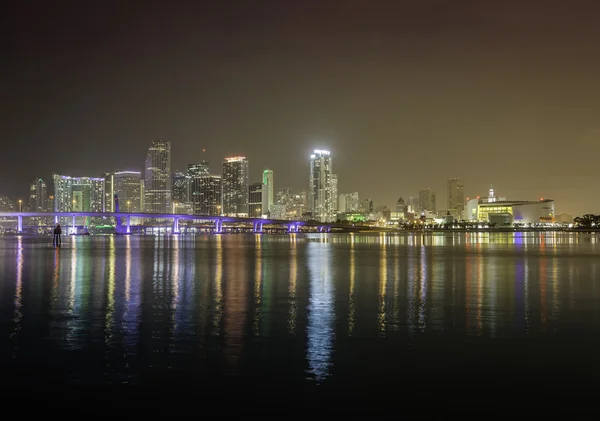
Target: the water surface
(321, 312)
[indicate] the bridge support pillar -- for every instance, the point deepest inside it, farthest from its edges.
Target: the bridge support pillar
(73, 228)
(258, 227)
(20, 224)
(128, 226)
(175, 225)
(56, 219)
(218, 226)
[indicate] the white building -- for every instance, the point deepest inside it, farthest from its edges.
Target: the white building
(321, 199)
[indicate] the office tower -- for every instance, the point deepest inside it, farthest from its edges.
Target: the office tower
(255, 195)
(268, 189)
(334, 192)
(456, 197)
(157, 178)
(206, 195)
(235, 186)
(412, 205)
(349, 202)
(181, 185)
(109, 192)
(321, 200)
(37, 196)
(128, 188)
(400, 206)
(427, 200)
(78, 194)
(367, 205)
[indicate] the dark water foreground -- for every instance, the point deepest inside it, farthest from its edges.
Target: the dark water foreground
(486, 321)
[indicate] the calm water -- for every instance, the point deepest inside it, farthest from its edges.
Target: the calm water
(318, 313)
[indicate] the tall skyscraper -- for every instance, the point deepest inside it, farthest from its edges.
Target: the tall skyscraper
(78, 194)
(255, 197)
(37, 196)
(181, 191)
(334, 192)
(235, 186)
(128, 188)
(456, 197)
(157, 178)
(427, 200)
(348, 202)
(206, 195)
(109, 192)
(321, 200)
(267, 191)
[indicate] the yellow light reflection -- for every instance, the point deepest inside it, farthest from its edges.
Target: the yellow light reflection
(382, 284)
(257, 284)
(292, 285)
(18, 313)
(218, 295)
(127, 267)
(351, 304)
(110, 306)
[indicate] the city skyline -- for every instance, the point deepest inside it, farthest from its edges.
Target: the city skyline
(406, 97)
(202, 167)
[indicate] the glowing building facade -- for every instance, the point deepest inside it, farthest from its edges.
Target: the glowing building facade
(456, 197)
(38, 196)
(267, 191)
(256, 194)
(128, 187)
(235, 186)
(157, 178)
(321, 197)
(206, 195)
(78, 194)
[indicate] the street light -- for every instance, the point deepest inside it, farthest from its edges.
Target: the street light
(20, 205)
(129, 206)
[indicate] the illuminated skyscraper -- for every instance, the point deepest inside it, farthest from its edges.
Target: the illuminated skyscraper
(78, 194)
(348, 202)
(157, 178)
(256, 195)
(206, 195)
(267, 191)
(235, 186)
(321, 199)
(456, 197)
(128, 188)
(37, 196)
(181, 192)
(109, 192)
(427, 200)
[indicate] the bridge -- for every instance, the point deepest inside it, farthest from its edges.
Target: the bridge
(258, 224)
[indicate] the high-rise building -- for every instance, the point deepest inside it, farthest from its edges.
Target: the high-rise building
(456, 197)
(181, 185)
(109, 192)
(128, 188)
(78, 194)
(348, 202)
(267, 191)
(37, 196)
(235, 186)
(256, 195)
(334, 192)
(321, 199)
(427, 200)
(157, 178)
(206, 195)
(400, 206)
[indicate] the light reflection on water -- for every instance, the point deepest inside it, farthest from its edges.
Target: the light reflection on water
(234, 304)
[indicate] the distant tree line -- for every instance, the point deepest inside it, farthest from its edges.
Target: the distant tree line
(587, 221)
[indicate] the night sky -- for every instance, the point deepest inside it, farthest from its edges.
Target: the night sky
(405, 94)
